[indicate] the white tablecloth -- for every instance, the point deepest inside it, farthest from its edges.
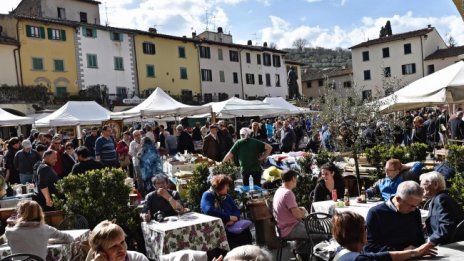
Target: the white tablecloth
(453, 251)
(328, 206)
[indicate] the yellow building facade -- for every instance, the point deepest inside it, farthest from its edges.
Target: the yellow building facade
(168, 62)
(460, 5)
(48, 55)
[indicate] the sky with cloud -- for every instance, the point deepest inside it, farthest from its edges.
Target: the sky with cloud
(323, 23)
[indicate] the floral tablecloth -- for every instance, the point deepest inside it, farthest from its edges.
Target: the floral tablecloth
(192, 231)
(60, 252)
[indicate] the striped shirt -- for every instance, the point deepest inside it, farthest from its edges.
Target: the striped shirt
(104, 147)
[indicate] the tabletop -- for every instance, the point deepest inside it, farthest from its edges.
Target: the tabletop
(453, 251)
(193, 231)
(57, 250)
(329, 206)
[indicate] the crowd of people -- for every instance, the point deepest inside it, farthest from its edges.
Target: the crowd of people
(44, 158)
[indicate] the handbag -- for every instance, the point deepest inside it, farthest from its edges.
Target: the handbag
(124, 161)
(239, 226)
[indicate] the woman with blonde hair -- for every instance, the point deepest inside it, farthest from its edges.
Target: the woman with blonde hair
(30, 234)
(419, 132)
(107, 242)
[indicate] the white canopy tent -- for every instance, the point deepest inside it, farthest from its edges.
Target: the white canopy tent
(235, 107)
(75, 113)
(441, 87)
(282, 103)
(8, 119)
(160, 105)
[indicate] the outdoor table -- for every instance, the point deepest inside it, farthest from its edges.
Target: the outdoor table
(328, 206)
(193, 231)
(453, 251)
(58, 251)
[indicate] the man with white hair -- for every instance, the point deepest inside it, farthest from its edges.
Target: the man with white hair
(444, 212)
(250, 152)
(396, 224)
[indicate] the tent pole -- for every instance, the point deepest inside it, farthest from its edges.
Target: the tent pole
(79, 134)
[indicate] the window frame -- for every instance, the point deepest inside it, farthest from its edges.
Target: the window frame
(386, 52)
(148, 48)
(205, 52)
(42, 65)
(55, 68)
(367, 75)
(89, 65)
(183, 73)
(250, 78)
(407, 48)
(365, 56)
(222, 76)
(233, 56)
(179, 48)
(248, 57)
(408, 69)
(268, 80)
(387, 72)
(276, 61)
(220, 54)
(118, 63)
(152, 66)
(206, 75)
(235, 77)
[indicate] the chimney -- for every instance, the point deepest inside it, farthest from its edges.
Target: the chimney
(152, 30)
(249, 42)
(194, 34)
(429, 26)
(220, 30)
(265, 44)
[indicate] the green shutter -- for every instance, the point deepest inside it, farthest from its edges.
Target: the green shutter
(28, 31)
(42, 32)
(63, 35)
(83, 30)
(50, 33)
(94, 33)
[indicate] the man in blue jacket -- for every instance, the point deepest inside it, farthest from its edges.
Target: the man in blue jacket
(444, 212)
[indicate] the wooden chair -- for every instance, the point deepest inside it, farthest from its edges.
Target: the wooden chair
(22, 257)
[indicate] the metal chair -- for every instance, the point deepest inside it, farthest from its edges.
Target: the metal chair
(282, 240)
(458, 234)
(22, 257)
(318, 224)
(74, 222)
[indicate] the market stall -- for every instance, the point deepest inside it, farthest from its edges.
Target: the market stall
(160, 105)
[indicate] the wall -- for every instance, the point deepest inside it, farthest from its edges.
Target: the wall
(441, 63)
(377, 63)
(73, 9)
(216, 65)
(49, 50)
(167, 65)
(106, 49)
(7, 66)
(275, 91)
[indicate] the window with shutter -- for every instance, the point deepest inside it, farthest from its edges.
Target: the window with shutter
(118, 64)
(150, 71)
(181, 52)
(183, 73)
(37, 64)
(58, 65)
(408, 68)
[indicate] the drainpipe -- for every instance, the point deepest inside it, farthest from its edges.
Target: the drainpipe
(19, 53)
(241, 73)
(137, 84)
(422, 60)
(16, 64)
(197, 46)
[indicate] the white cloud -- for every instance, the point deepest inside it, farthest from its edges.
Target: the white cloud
(265, 2)
(283, 33)
(179, 17)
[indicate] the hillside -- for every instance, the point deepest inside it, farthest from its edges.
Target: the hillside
(320, 57)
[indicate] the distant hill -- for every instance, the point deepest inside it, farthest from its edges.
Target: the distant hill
(319, 57)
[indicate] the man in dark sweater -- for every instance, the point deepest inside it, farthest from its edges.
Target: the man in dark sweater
(396, 224)
(85, 163)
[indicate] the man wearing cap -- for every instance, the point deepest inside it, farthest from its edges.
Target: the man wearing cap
(250, 152)
(211, 144)
(25, 160)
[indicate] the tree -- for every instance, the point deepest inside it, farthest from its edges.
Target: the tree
(346, 113)
(388, 29)
(300, 44)
(273, 45)
(451, 41)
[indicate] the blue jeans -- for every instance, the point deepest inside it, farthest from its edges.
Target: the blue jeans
(25, 178)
